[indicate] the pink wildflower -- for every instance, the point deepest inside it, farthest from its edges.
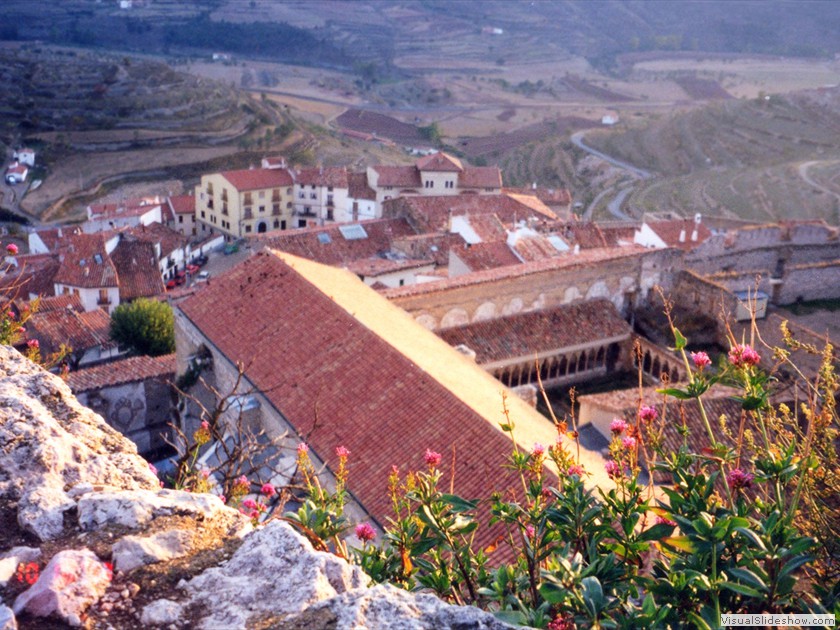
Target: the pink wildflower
(205, 425)
(12, 249)
(222, 498)
(661, 520)
(613, 469)
(648, 413)
(562, 622)
(701, 360)
(530, 531)
(205, 474)
(11, 315)
(574, 469)
(628, 442)
(249, 504)
(268, 490)
(738, 479)
(365, 532)
(432, 458)
(254, 515)
(302, 448)
(743, 356)
(618, 426)
(342, 451)
(539, 449)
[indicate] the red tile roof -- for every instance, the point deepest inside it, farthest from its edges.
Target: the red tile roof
(335, 176)
(549, 196)
(17, 169)
(342, 384)
(487, 227)
(480, 256)
(128, 208)
(130, 370)
(431, 213)
(182, 204)
(526, 334)
(52, 237)
(258, 178)
(81, 331)
(308, 243)
(480, 177)
(137, 269)
(85, 262)
(670, 231)
(58, 302)
(440, 162)
(583, 259)
(157, 233)
(372, 267)
(358, 187)
(33, 275)
(536, 247)
(402, 176)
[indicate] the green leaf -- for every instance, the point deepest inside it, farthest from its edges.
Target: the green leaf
(680, 341)
(742, 589)
(458, 504)
(748, 577)
(751, 536)
(593, 595)
(793, 564)
(683, 543)
(513, 617)
(698, 621)
(657, 531)
(679, 394)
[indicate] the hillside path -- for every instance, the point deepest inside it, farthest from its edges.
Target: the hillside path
(803, 173)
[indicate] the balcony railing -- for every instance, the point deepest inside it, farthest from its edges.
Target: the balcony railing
(248, 214)
(103, 301)
(305, 213)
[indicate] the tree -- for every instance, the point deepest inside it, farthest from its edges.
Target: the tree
(145, 326)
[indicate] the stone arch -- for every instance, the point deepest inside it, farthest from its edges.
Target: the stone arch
(562, 367)
(484, 312)
(599, 289)
(581, 365)
(590, 359)
(601, 355)
(646, 363)
(427, 321)
(261, 227)
(455, 317)
(656, 370)
(573, 361)
(545, 368)
(513, 307)
(571, 294)
(675, 375)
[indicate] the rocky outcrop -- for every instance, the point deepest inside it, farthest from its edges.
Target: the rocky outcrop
(78, 500)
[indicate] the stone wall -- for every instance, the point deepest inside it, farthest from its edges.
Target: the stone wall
(624, 280)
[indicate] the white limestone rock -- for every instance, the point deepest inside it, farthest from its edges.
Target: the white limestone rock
(161, 613)
(7, 619)
(135, 551)
(275, 572)
(53, 444)
(10, 560)
(384, 607)
(135, 508)
(68, 585)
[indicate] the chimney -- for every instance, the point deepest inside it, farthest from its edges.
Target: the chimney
(576, 250)
(60, 233)
(534, 186)
(682, 236)
(694, 235)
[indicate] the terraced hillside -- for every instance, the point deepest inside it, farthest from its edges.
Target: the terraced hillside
(766, 158)
(96, 119)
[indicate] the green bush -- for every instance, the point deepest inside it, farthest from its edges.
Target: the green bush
(145, 326)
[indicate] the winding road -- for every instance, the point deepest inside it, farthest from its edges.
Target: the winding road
(803, 173)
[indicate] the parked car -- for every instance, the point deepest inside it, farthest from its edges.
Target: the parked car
(171, 284)
(203, 276)
(201, 260)
(193, 269)
(231, 248)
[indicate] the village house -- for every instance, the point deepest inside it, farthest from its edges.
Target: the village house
(86, 333)
(321, 195)
(16, 173)
(244, 202)
(130, 213)
(134, 395)
(331, 362)
(24, 155)
(682, 233)
(179, 213)
(436, 174)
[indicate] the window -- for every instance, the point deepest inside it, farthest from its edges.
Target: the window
(402, 282)
(247, 228)
(329, 188)
(248, 200)
(289, 204)
(302, 195)
(262, 208)
(312, 186)
(449, 184)
(276, 224)
(429, 184)
(180, 218)
(202, 214)
(313, 196)
(283, 225)
(301, 223)
(262, 194)
(288, 191)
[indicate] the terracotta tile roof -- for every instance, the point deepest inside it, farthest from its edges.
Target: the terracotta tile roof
(526, 334)
(137, 269)
(335, 176)
(440, 162)
(435, 246)
(320, 345)
(130, 370)
(128, 208)
(480, 177)
(431, 213)
(672, 413)
(59, 302)
(358, 187)
(487, 227)
(549, 196)
(669, 232)
(402, 176)
(258, 178)
(157, 233)
(536, 247)
(276, 161)
(81, 331)
(372, 267)
(182, 204)
(33, 275)
(583, 259)
(618, 236)
(17, 169)
(85, 262)
(586, 234)
(327, 245)
(481, 256)
(52, 237)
